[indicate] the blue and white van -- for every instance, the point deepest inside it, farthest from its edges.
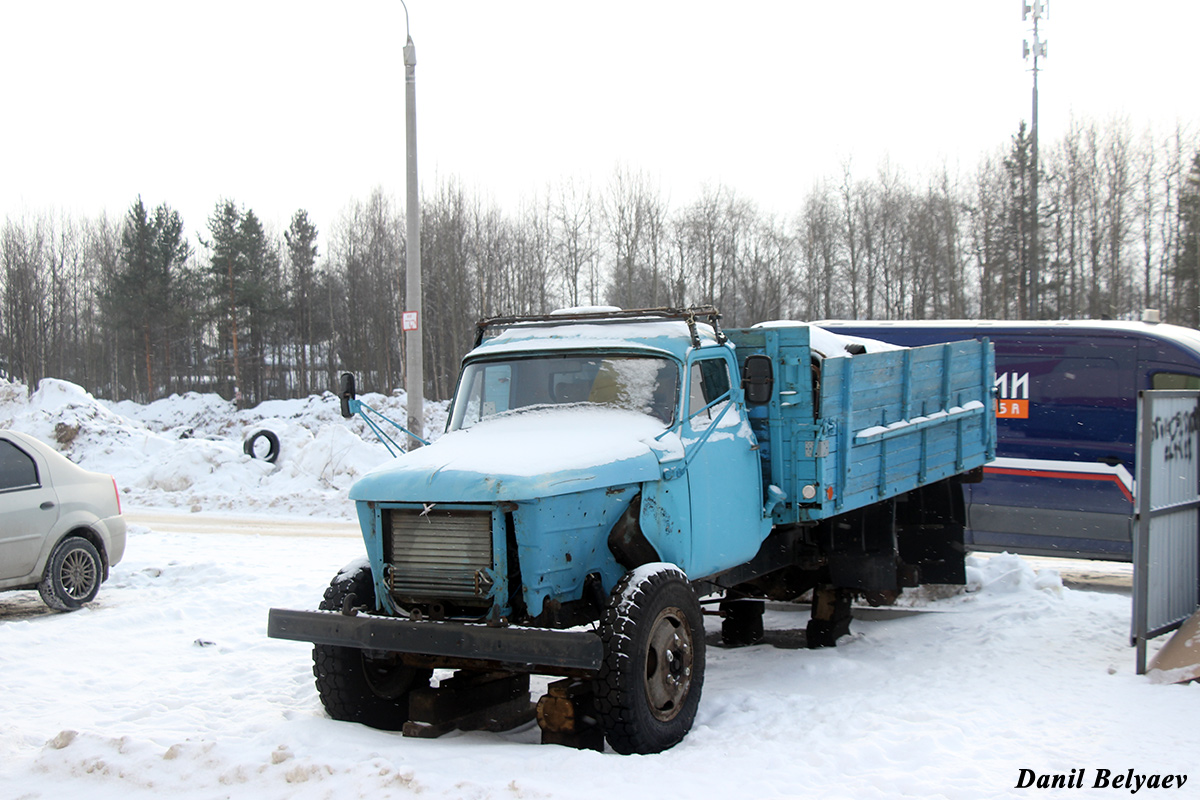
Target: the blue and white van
(1062, 482)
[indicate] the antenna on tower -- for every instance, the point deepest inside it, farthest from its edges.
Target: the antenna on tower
(1034, 48)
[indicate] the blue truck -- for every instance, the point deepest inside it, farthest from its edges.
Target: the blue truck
(1062, 482)
(602, 472)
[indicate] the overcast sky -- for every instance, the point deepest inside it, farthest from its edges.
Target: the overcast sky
(287, 105)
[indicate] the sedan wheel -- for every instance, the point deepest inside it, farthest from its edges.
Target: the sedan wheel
(72, 575)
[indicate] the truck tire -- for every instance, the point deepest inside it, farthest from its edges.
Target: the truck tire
(73, 575)
(357, 685)
(648, 686)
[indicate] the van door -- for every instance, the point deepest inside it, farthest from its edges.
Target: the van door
(1066, 429)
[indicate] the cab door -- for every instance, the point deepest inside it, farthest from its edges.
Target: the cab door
(724, 472)
(28, 510)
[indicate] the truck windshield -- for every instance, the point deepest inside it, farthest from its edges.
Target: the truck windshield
(645, 384)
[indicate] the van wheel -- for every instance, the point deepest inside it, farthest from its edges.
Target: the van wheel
(648, 686)
(359, 685)
(72, 575)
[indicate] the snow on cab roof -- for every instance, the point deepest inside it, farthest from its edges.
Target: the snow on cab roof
(650, 332)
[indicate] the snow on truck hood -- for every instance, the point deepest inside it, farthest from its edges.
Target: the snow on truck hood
(523, 455)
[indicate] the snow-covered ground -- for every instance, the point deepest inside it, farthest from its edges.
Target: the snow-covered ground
(168, 685)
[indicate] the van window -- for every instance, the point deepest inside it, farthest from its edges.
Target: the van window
(1174, 380)
(1083, 381)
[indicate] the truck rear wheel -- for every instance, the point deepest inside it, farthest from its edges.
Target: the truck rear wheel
(743, 622)
(358, 685)
(648, 687)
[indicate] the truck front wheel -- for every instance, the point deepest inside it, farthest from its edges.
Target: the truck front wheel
(648, 688)
(357, 685)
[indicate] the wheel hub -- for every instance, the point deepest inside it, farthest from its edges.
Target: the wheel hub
(668, 664)
(78, 574)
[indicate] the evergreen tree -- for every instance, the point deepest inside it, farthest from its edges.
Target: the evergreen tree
(1187, 266)
(262, 296)
(301, 238)
(1020, 218)
(225, 273)
(138, 298)
(244, 271)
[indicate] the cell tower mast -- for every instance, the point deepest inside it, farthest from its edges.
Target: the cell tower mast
(1035, 49)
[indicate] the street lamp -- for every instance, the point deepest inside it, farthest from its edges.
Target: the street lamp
(414, 378)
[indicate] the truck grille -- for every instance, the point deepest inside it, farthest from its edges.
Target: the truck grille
(437, 554)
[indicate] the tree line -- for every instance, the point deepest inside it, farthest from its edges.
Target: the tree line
(135, 308)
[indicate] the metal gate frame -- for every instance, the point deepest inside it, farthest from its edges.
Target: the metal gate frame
(1166, 522)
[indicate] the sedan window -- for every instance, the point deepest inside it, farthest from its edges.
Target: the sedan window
(17, 470)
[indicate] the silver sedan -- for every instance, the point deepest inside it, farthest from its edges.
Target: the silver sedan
(60, 525)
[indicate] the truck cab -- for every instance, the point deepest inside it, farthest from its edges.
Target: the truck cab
(556, 434)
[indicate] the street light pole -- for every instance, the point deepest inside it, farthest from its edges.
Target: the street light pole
(414, 380)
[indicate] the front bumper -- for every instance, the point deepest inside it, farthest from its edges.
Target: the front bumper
(527, 649)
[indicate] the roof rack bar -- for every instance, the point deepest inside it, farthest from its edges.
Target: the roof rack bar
(688, 315)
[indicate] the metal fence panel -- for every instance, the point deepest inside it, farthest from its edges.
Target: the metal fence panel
(1166, 536)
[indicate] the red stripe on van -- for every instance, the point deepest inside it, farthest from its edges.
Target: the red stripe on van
(1071, 476)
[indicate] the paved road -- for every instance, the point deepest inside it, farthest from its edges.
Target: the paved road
(1089, 576)
(168, 521)
(1094, 576)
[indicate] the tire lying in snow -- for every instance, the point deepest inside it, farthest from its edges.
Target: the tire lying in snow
(272, 442)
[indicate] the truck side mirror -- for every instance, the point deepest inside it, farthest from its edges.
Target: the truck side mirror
(758, 379)
(347, 394)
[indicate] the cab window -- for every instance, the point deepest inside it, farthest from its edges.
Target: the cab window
(709, 379)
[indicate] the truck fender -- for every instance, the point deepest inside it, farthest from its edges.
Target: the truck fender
(627, 542)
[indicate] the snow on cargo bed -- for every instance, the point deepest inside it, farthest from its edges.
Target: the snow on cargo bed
(828, 343)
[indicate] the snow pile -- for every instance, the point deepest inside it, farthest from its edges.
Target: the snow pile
(1007, 573)
(990, 578)
(187, 451)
